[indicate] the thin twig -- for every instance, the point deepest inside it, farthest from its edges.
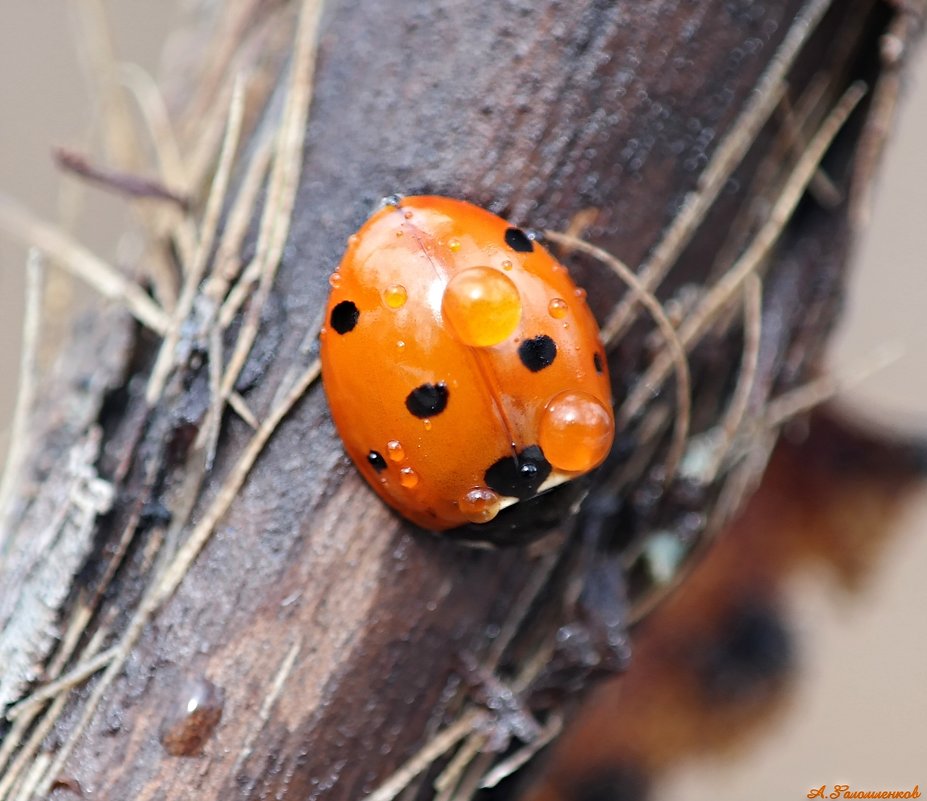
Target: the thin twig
(118, 181)
(122, 143)
(148, 98)
(11, 741)
(228, 259)
(677, 353)
(727, 156)
(181, 562)
(96, 47)
(167, 354)
(740, 399)
(21, 224)
(821, 186)
(772, 171)
(702, 317)
(237, 402)
(211, 86)
(435, 748)
(281, 195)
(208, 436)
(72, 678)
(470, 781)
(172, 169)
(19, 427)
(518, 610)
(201, 533)
(27, 753)
(26, 789)
(75, 630)
(507, 767)
(806, 397)
(448, 780)
(267, 705)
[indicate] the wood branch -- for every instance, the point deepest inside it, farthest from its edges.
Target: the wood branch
(213, 600)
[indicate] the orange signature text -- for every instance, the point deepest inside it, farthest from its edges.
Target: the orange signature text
(846, 791)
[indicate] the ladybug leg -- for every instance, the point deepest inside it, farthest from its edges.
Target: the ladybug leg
(511, 718)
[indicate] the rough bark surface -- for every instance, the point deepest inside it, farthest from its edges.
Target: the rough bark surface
(327, 632)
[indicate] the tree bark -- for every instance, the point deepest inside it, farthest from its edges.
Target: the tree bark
(320, 636)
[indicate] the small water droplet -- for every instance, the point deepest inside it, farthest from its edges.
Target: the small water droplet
(408, 478)
(454, 245)
(395, 296)
(427, 424)
(352, 240)
(558, 308)
(580, 292)
(395, 450)
(198, 712)
(507, 265)
(70, 784)
(479, 505)
(400, 344)
(407, 215)
(334, 280)
(399, 232)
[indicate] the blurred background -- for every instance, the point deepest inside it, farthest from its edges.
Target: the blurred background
(858, 711)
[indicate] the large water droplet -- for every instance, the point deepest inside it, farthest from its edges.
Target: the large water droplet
(482, 306)
(576, 431)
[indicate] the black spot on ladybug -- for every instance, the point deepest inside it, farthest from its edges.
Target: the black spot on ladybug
(519, 476)
(538, 352)
(344, 317)
(597, 362)
(376, 461)
(518, 240)
(427, 400)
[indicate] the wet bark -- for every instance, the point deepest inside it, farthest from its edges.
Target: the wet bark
(320, 634)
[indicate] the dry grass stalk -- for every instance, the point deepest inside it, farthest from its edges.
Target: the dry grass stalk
(674, 348)
(699, 321)
(69, 254)
(769, 91)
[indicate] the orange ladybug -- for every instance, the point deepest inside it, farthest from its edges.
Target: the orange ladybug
(462, 365)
